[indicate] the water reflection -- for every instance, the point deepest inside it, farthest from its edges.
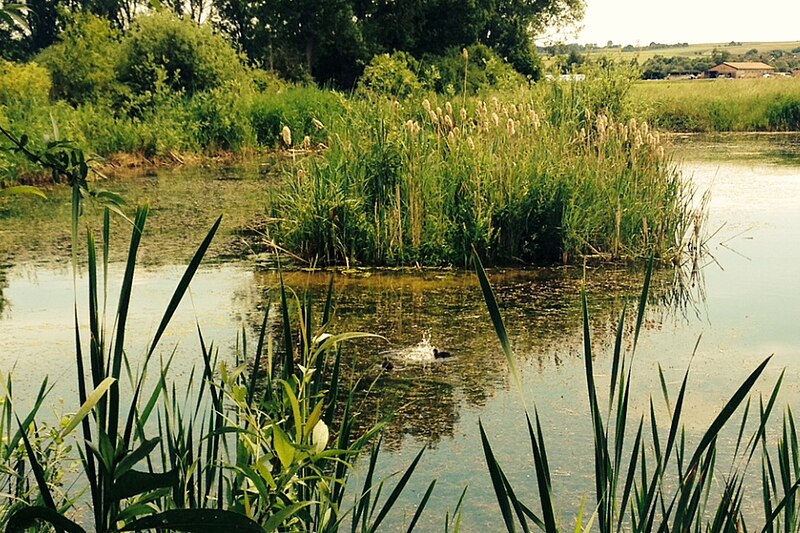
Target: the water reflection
(416, 312)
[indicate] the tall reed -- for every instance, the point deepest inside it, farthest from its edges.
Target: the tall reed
(531, 178)
(647, 482)
(236, 452)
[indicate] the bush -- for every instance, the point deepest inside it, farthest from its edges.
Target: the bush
(484, 70)
(84, 64)
(297, 108)
(222, 119)
(392, 75)
(188, 57)
(24, 88)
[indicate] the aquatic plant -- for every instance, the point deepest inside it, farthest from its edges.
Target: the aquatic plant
(636, 487)
(223, 456)
(524, 179)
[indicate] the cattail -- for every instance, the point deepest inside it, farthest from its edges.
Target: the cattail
(465, 53)
(505, 111)
(434, 117)
(439, 111)
(319, 125)
(426, 105)
(286, 135)
(514, 109)
(470, 143)
(496, 104)
(448, 122)
(449, 107)
(457, 130)
(451, 139)
(495, 119)
(306, 142)
(463, 115)
(511, 128)
(535, 120)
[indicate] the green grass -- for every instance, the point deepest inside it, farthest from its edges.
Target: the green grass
(719, 104)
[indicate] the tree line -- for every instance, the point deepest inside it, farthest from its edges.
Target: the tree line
(328, 41)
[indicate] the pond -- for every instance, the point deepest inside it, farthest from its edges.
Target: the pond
(743, 307)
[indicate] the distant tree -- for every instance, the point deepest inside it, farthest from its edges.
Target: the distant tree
(720, 56)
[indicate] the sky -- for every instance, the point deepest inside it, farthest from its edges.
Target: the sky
(694, 21)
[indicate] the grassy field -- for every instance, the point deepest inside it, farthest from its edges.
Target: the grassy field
(719, 105)
(693, 50)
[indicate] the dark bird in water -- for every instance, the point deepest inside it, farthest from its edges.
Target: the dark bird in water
(441, 355)
(386, 365)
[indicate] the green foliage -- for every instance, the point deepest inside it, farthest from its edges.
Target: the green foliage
(784, 113)
(24, 88)
(660, 67)
(391, 75)
(85, 61)
(635, 485)
(403, 183)
(221, 118)
(484, 70)
(306, 111)
(185, 56)
(718, 105)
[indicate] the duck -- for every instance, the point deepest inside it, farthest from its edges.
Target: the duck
(441, 355)
(386, 365)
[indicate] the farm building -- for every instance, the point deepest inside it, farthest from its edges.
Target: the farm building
(731, 69)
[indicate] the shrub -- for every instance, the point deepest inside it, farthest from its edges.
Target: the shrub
(187, 56)
(222, 119)
(23, 88)
(484, 69)
(84, 64)
(391, 75)
(304, 110)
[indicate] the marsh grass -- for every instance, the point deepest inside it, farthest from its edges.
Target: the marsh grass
(719, 105)
(531, 177)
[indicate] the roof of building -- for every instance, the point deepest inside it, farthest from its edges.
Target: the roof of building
(745, 65)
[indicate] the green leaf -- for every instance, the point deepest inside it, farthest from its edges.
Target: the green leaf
(283, 446)
(131, 459)
(497, 320)
(278, 518)
(398, 489)
(38, 471)
(25, 518)
(23, 189)
(133, 482)
(88, 405)
(199, 520)
(728, 410)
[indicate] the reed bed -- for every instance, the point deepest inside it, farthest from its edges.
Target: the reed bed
(720, 105)
(553, 174)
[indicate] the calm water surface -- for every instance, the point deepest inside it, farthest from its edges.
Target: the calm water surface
(745, 307)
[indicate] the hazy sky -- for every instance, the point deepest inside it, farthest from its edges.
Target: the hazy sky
(693, 21)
